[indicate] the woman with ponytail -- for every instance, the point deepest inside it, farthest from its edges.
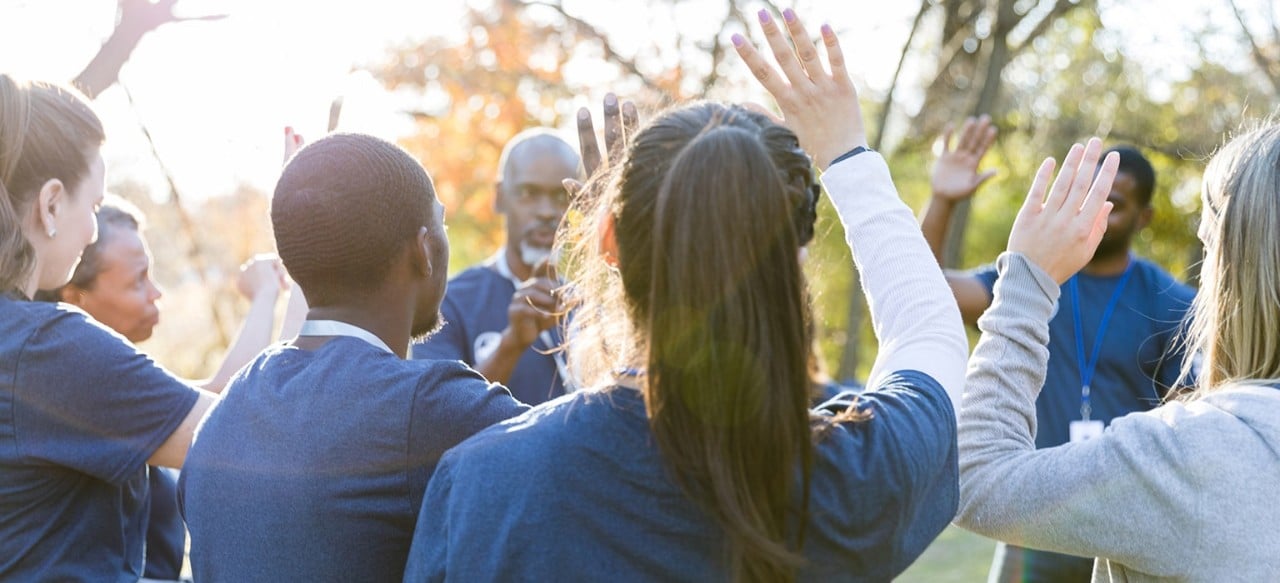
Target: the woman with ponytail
(698, 457)
(82, 412)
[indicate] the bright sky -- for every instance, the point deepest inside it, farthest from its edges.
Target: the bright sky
(216, 95)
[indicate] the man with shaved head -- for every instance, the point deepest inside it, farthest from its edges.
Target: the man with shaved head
(500, 316)
(314, 464)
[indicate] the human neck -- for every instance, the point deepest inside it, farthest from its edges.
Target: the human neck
(1108, 265)
(515, 262)
(392, 326)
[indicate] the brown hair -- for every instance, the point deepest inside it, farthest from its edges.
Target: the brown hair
(47, 132)
(710, 207)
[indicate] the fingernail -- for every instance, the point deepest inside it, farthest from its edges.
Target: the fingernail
(737, 40)
(583, 114)
(826, 30)
(610, 99)
(789, 15)
(764, 17)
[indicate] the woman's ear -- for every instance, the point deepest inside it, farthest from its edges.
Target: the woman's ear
(48, 204)
(608, 240)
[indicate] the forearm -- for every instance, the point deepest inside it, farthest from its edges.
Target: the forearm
(913, 313)
(295, 313)
(934, 222)
(253, 337)
(499, 365)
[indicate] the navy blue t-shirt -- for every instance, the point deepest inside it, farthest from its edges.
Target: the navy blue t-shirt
(313, 466)
(81, 411)
(1139, 360)
(475, 314)
(576, 490)
(166, 533)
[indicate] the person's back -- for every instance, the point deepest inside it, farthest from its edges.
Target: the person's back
(314, 464)
(608, 491)
(700, 458)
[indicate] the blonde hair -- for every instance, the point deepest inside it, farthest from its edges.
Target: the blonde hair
(47, 132)
(1235, 325)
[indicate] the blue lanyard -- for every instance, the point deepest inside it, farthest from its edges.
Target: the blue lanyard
(1088, 367)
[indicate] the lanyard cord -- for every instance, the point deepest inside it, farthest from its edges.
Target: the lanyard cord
(1088, 367)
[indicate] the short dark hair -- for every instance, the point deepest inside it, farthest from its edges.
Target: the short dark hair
(115, 213)
(1133, 163)
(343, 209)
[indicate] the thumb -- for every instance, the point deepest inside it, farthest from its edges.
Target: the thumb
(983, 178)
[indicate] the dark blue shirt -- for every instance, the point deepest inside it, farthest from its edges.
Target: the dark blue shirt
(166, 533)
(313, 466)
(1140, 358)
(81, 411)
(576, 490)
(475, 314)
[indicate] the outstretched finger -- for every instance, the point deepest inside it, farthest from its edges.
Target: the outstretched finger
(835, 55)
(612, 128)
(1084, 175)
(1101, 188)
(1066, 176)
(587, 144)
(944, 140)
(630, 119)
(1035, 195)
(804, 47)
(967, 130)
(769, 77)
(783, 53)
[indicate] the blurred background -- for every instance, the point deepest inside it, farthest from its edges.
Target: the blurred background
(196, 95)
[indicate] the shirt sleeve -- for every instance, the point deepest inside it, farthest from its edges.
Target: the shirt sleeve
(453, 403)
(914, 315)
(1099, 498)
(986, 275)
(88, 400)
(430, 549)
(906, 455)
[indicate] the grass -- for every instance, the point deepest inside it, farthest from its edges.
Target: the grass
(956, 556)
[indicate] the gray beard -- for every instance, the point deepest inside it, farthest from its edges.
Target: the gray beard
(533, 256)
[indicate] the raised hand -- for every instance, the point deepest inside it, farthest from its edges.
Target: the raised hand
(821, 107)
(620, 122)
(955, 174)
(1061, 232)
(261, 274)
(292, 143)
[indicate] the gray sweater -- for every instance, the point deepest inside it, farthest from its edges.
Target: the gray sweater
(1189, 491)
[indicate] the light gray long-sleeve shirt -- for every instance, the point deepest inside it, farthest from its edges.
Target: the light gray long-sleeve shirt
(1189, 491)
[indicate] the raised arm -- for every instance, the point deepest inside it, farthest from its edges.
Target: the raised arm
(1090, 498)
(912, 311)
(261, 280)
(955, 179)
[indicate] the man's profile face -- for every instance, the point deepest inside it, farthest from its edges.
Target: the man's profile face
(533, 197)
(1129, 215)
(427, 317)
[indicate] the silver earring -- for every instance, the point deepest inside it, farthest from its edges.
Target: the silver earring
(52, 232)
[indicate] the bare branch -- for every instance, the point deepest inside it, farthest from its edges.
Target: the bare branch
(611, 54)
(1269, 67)
(887, 105)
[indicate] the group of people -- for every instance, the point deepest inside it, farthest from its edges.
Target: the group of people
(661, 417)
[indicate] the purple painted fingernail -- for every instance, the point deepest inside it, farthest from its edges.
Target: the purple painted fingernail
(826, 29)
(583, 114)
(764, 17)
(789, 15)
(737, 39)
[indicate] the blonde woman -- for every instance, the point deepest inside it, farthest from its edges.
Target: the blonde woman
(1184, 492)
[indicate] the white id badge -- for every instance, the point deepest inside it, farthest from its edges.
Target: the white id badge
(1085, 430)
